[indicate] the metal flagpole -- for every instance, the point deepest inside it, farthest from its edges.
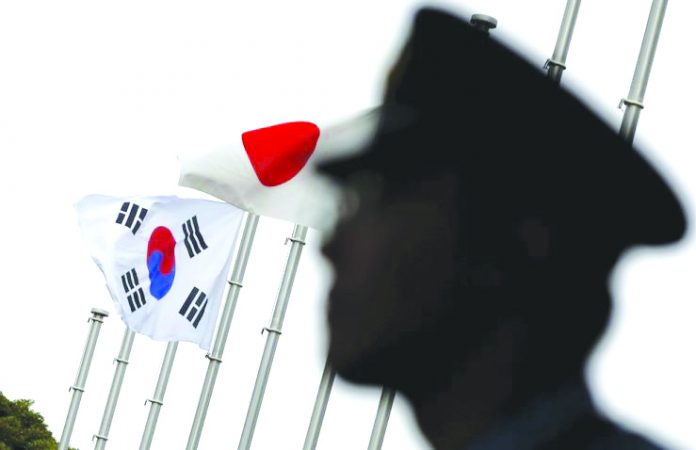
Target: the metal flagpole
(157, 399)
(556, 65)
(78, 387)
(327, 379)
(215, 356)
(274, 330)
(380, 427)
(634, 101)
(121, 364)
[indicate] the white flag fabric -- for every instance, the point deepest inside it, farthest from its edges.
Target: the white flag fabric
(268, 171)
(165, 260)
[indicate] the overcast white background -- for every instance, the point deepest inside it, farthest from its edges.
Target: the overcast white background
(100, 97)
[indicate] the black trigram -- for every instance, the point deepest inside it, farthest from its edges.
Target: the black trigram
(133, 216)
(193, 239)
(134, 293)
(194, 306)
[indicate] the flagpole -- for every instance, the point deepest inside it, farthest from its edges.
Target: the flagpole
(121, 364)
(556, 64)
(386, 401)
(634, 101)
(325, 385)
(274, 331)
(215, 357)
(78, 388)
(157, 399)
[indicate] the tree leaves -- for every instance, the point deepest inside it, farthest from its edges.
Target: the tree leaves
(21, 428)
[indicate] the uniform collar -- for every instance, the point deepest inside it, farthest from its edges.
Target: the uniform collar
(542, 420)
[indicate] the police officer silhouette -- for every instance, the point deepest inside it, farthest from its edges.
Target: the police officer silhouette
(471, 272)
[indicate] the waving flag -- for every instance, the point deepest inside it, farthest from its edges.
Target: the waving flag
(268, 171)
(165, 260)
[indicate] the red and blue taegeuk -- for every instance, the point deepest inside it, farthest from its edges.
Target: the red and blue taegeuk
(161, 263)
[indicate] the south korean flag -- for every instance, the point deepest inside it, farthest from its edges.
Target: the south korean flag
(165, 260)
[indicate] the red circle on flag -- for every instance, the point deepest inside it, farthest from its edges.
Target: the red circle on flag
(279, 152)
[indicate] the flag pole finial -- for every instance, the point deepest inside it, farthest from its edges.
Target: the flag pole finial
(98, 314)
(483, 22)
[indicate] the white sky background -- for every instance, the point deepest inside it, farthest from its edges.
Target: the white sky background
(100, 97)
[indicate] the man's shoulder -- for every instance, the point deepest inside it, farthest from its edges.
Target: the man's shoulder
(597, 433)
(566, 419)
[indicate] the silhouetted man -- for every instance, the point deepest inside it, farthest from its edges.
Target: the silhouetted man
(471, 270)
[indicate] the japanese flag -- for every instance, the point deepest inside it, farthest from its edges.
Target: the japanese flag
(269, 171)
(165, 260)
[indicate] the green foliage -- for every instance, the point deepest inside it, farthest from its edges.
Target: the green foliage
(21, 428)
